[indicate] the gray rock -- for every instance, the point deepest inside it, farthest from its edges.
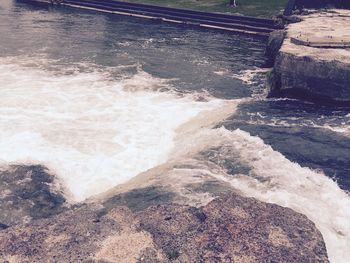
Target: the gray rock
(273, 46)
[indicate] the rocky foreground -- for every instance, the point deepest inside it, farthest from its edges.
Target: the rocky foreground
(149, 225)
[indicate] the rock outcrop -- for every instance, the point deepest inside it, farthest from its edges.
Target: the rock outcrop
(229, 229)
(318, 74)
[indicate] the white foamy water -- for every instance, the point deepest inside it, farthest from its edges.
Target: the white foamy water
(254, 77)
(285, 183)
(248, 76)
(94, 133)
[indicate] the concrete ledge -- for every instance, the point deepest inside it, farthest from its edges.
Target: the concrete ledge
(313, 63)
(326, 42)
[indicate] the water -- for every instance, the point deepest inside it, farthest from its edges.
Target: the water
(99, 99)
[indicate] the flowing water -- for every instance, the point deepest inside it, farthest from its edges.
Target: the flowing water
(99, 99)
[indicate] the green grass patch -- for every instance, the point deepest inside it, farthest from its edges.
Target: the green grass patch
(260, 8)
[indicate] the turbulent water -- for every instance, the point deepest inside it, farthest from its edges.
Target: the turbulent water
(99, 99)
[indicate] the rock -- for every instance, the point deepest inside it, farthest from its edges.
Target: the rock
(231, 228)
(140, 199)
(292, 19)
(273, 46)
(26, 193)
(79, 234)
(320, 75)
(3, 226)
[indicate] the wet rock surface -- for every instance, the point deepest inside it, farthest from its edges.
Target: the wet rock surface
(230, 228)
(26, 193)
(273, 46)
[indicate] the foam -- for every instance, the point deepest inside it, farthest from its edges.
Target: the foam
(254, 77)
(249, 76)
(285, 183)
(91, 131)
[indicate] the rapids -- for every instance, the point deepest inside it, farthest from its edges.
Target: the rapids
(99, 99)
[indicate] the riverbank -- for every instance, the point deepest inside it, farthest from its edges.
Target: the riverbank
(256, 8)
(267, 8)
(314, 60)
(237, 24)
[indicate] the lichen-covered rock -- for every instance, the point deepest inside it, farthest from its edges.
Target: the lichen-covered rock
(229, 229)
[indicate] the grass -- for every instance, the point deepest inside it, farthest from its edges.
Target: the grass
(260, 8)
